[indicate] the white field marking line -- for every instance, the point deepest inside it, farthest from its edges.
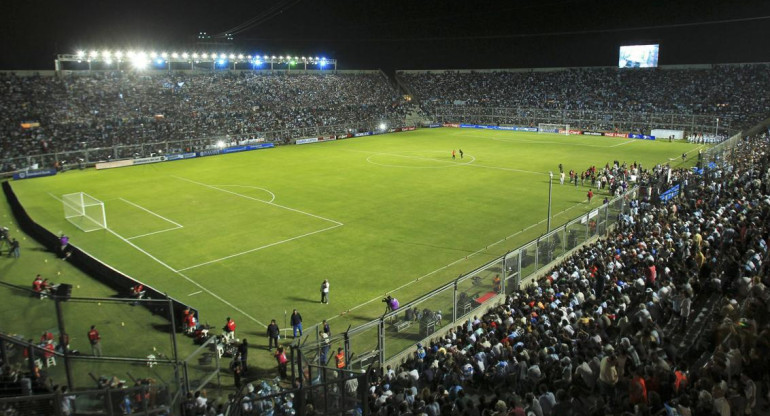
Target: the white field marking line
(195, 293)
(410, 157)
(456, 261)
(624, 143)
(152, 233)
(368, 159)
(470, 163)
(260, 248)
(153, 213)
(214, 295)
(253, 187)
(258, 200)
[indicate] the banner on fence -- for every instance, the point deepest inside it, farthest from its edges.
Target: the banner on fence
(209, 152)
(114, 164)
(146, 160)
(180, 156)
(34, 174)
(455, 125)
(641, 136)
(670, 194)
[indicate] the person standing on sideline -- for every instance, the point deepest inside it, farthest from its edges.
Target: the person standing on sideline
(296, 323)
(561, 178)
(590, 195)
(561, 168)
(243, 350)
(272, 335)
(453, 154)
(461, 153)
(325, 291)
(14, 251)
(96, 341)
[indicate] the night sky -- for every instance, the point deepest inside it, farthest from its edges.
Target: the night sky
(396, 34)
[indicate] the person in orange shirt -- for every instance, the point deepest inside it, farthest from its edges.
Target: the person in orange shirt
(590, 195)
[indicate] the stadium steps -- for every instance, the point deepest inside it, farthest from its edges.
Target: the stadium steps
(704, 309)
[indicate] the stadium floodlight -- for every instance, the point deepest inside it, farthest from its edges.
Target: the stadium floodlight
(222, 55)
(195, 55)
(221, 144)
(204, 55)
(118, 54)
(273, 57)
(94, 54)
(108, 61)
(81, 54)
(185, 55)
(232, 56)
(240, 56)
(164, 55)
(106, 54)
(266, 57)
(316, 58)
(139, 61)
(130, 54)
(174, 55)
(153, 55)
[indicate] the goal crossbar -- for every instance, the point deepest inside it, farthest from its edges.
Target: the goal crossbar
(84, 211)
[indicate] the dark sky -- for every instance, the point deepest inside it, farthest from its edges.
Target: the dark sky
(396, 34)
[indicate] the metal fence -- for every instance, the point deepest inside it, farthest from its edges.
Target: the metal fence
(388, 337)
(49, 347)
(36, 377)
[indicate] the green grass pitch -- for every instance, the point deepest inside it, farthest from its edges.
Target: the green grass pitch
(252, 235)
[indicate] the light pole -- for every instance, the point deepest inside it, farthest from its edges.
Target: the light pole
(550, 187)
(716, 131)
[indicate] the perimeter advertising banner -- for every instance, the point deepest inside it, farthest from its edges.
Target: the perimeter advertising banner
(34, 174)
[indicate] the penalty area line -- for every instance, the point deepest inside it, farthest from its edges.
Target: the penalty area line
(162, 263)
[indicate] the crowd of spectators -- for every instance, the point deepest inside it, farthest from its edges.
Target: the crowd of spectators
(124, 108)
(733, 92)
(667, 315)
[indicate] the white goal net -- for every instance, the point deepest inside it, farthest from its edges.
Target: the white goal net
(553, 128)
(84, 211)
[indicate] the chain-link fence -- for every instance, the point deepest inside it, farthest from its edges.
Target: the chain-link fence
(46, 379)
(397, 331)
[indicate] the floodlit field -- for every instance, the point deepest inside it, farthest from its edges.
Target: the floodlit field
(252, 235)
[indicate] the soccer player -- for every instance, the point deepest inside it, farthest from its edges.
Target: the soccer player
(561, 178)
(590, 195)
(453, 154)
(461, 153)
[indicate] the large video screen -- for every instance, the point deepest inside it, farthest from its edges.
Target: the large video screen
(638, 56)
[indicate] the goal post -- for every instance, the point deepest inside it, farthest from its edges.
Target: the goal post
(553, 128)
(84, 211)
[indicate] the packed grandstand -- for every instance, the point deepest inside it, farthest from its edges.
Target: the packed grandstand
(667, 314)
(107, 110)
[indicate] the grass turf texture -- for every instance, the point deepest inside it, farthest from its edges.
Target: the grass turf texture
(252, 235)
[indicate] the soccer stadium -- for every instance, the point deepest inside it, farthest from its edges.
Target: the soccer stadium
(205, 227)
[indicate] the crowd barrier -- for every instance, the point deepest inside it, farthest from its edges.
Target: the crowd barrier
(395, 333)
